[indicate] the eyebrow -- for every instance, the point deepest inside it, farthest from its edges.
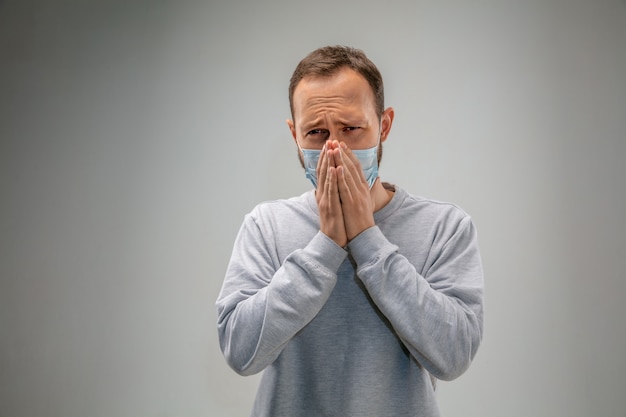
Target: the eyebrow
(341, 122)
(354, 122)
(312, 124)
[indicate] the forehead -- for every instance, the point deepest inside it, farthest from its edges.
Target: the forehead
(345, 89)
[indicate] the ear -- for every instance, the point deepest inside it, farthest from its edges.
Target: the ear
(292, 129)
(385, 123)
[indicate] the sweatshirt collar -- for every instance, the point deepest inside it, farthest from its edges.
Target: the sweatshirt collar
(391, 207)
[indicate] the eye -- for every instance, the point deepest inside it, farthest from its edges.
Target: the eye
(317, 133)
(351, 128)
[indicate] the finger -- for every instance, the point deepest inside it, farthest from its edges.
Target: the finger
(331, 201)
(344, 185)
(327, 180)
(352, 176)
(335, 216)
(332, 191)
(352, 163)
(321, 170)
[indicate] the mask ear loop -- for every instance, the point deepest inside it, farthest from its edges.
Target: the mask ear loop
(300, 149)
(380, 136)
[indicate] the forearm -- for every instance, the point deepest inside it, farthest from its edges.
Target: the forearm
(439, 318)
(255, 324)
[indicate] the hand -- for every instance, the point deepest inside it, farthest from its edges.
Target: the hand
(327, 196)
(354, 192)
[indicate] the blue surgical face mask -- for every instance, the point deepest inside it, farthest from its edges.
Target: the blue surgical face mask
(368, 158)
(311, 157)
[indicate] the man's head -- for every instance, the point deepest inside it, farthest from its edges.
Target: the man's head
(336, 93)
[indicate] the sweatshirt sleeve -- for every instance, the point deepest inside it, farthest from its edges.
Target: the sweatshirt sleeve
(262, 305)
(439, 316)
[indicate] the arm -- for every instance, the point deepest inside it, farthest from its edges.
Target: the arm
(437, 316)
(263, 305)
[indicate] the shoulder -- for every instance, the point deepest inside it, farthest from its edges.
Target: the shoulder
(282, 214)
(430, 206)
(283, 223)
(439, 217)
(280, 207)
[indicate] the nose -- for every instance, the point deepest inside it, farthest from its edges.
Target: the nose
(333, 140)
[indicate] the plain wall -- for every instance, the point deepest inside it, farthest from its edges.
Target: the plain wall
(134, 136)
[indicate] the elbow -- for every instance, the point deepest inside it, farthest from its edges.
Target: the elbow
(241, 367)
(242, 360)
(451, 369)
(245, 367)
(455, 360)
(238, 352)
(453, 366)
(239, 361)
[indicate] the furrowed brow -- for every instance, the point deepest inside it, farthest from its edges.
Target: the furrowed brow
(313, 124)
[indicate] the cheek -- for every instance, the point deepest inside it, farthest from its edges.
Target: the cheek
(364, 140)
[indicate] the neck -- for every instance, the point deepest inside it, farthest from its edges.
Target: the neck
(381, 194)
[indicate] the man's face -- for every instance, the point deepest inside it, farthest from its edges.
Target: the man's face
(340, 107)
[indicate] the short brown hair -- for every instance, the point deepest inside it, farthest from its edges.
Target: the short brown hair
(326, 61)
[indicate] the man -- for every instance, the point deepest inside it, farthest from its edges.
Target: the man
(355, 297)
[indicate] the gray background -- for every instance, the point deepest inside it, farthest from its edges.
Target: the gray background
(136, 134)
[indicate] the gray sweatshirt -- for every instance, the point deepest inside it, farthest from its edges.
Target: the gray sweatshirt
(358, 331)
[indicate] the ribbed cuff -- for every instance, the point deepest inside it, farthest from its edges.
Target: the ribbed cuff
(369, 246)
(324, 251)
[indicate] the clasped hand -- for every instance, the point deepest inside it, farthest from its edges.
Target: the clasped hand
(343, 195)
